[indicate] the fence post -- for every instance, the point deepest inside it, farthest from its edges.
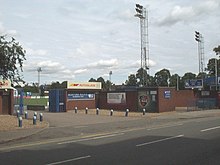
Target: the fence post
(34, 120)
(41, 117)
(126, 112)
(97, 111)
(144, 111)
(25, 114)
(86, 111)
(111, 112)
(20, 121)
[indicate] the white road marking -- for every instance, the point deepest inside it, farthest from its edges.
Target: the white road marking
(92, 138)
(165, 126)
(156, 141)
(69, 160)
(209, 129)
(67, 126)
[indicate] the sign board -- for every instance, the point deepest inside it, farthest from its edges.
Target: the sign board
(198, 83)
(86, 85)
(5, 84)
(116, 98)
(167, 94)
(80, 96)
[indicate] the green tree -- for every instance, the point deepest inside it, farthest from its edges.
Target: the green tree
(211, 66)
(132, 81)
(31, 88)
(162, 77)
(12, 56)
(142, 76)
(217, 50)
(201, 75)
(92, 80)
(174, 79)
(56, 85)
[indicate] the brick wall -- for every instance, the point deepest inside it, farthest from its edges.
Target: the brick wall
(70, 105)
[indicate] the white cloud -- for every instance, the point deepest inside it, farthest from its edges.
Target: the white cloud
(39, 52)
(4, 31)
(79, 71)
(189, 13)
(104, 64)
(83, 39)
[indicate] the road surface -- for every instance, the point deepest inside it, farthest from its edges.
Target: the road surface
(193, 142)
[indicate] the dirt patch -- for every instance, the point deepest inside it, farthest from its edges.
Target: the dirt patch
(8, 122)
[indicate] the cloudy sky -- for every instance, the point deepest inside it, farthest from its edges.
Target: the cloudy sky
(77, 40)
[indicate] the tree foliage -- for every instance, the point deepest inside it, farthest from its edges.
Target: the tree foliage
(132, 80)
(217, 50)
(162, 77)
(12, 56)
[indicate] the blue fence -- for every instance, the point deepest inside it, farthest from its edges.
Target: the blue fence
(57, 101)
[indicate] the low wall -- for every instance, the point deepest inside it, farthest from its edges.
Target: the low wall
(36, 107)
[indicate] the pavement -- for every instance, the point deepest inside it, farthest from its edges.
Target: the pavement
(80, 119)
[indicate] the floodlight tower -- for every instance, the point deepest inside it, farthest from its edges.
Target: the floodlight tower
(200, 39)
(142, 14)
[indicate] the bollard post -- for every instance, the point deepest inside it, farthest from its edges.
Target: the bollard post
(86, 110)
(97, 111)
(111, 112)
(18, 113)
(35, 114)
(144, 111)
(34, 120)
(25, 114)
(126, 112)
(41, 117)
(76, 109)
(20, 121)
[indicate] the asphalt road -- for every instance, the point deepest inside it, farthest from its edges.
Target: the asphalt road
(193, 142)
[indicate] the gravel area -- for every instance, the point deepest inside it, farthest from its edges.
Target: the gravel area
(8, 122)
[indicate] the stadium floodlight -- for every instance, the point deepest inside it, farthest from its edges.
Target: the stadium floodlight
(197, 36)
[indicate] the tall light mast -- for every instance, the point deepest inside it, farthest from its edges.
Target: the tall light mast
(200, 39)
(142, 14)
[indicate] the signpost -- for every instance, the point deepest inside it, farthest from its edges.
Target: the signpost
(196, 83)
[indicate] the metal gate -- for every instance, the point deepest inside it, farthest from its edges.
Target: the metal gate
(57, 100)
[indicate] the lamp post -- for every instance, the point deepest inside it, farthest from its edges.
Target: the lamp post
(110, 76)
(141, 13)
(216, 74)
(39, 70)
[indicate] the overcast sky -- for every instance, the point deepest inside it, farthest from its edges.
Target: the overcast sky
(77, 40)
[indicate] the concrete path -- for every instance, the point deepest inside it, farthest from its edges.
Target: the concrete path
(71, 119)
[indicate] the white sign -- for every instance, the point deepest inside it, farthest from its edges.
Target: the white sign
(116, 98)
(86, 85)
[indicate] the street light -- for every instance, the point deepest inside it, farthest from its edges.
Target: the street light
(39, 70)
(110, 74)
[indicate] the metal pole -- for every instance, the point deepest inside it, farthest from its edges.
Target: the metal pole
(177, 83)
(216, 74)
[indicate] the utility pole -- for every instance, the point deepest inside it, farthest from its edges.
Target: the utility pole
(142, 14)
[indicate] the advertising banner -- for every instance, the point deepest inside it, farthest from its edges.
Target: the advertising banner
(116, 98)
(86, 85)
(194, 83)
(80, 96)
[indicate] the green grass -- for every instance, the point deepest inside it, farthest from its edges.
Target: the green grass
(34, 101)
